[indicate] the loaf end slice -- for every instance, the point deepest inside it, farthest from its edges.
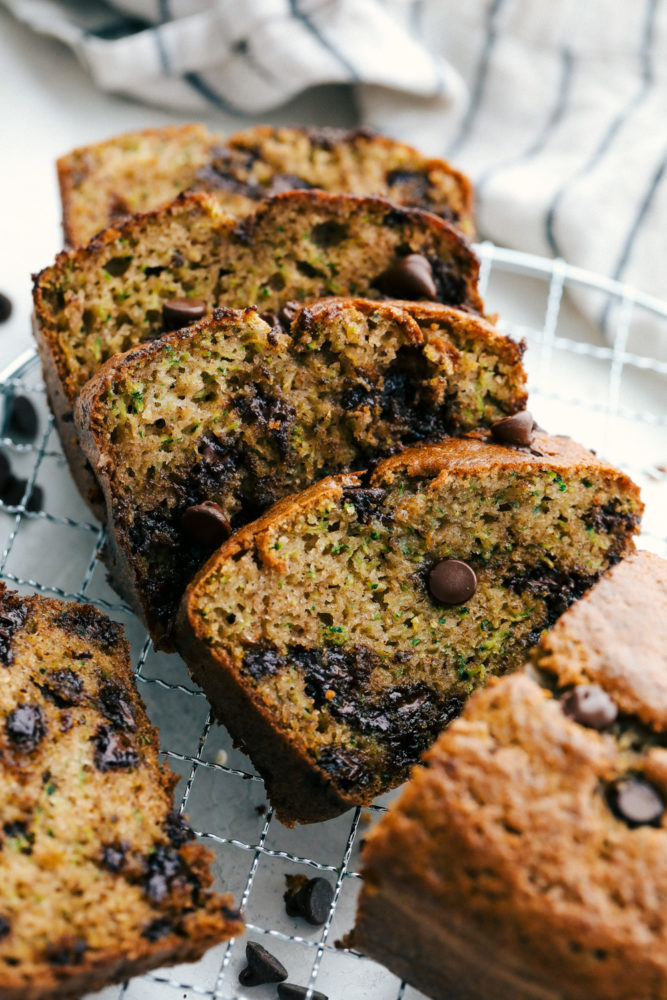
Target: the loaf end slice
(528, 858)
(104, 298)
(239, 412)
(104, 183)
(321, 628)
(101, 878)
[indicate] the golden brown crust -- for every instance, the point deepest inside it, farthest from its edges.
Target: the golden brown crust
(624, 619)
(506, 841)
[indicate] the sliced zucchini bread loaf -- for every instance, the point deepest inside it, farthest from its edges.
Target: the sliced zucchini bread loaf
(529, 858)
(141, 171)
(103, 183)
(101, 878)
(337, 635)
(235, 412)
(130, 284)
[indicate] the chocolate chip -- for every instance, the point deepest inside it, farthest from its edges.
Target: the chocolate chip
(116, 706)
(177, 313)
(288, 991)
(636, 802)
(409, 277)
(206, 524)
(26, 726)
(4, 927)
(62, 687)
(311, 901)
(13, 492)
(451, 581)
(112, 751)
(178, 829)
(163, 864)
(21, 422)
(113, 856)
(159, 928)
(262, 967)
(66, 951)
(590, 706)
(516, 430)
(5, 471)
(5, 308)
(287, 312)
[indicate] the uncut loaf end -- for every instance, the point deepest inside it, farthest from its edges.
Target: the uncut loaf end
(337, 636)
(239, 412)
(529, 858)
(109, 296)
(100, 878)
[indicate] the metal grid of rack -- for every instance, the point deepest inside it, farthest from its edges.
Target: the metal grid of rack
(609, 392)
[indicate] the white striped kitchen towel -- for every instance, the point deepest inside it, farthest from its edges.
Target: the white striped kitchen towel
(557, 110)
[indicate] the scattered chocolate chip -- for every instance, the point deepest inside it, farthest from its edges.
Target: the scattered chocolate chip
(4, 927)
(83, 620)
(5, 307)
(177, 313)
(116, 706)
(66, 951)
(13, 491)
(26, 726)
(313, 901)
(590, 706)
(5, 471)
(451, 581)
(206, 524)
(113, 856)
(262, 967)
(516, 430)
(636, 802)
(21, 422)
(409, 277)
(112, 751)
(13, 614)
(178, 829)
(159, 928)
(288, 991)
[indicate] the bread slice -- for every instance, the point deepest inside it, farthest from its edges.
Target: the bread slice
(517, 864)
(109, 296)
(100, 878)
(326, 635)
(141, 171)
(239, 412)
(102, 184)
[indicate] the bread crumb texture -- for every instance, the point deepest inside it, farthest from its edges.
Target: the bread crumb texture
(328, 592)
(101, 878)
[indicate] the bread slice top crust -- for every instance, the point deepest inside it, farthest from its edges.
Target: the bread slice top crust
(100, 876)
(239, 412)
(104, 183)
(320, 619)
(263, 161)
(511, 839)
(108, 296)
(141, 171)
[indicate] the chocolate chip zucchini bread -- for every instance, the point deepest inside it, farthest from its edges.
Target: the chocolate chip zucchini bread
(337, 635)
(103, 183)
(528, 859)
(129, 284)
(101, 878)
(207, 427)
(141, 171)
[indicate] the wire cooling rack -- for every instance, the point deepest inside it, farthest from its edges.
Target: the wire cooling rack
(609, 392)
